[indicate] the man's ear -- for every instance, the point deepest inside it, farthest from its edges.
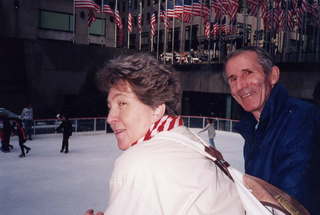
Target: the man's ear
(274, 75)
(159, 112)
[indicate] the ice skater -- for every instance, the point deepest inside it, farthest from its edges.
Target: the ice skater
(66, 126)
(211, 131)
(27, 118)
(22, 139)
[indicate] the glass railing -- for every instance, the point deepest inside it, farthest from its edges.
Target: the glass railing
(48, 126)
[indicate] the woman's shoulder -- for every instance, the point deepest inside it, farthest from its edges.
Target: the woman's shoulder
(160, 151)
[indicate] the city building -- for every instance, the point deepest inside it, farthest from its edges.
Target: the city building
(289, 29)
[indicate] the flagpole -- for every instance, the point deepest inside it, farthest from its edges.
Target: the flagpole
(182, 29)
(285, 35)
(165, 28)
(301, 36)
(219, 40)
(173, 24)
(158, 33)
(258, 27)
(74, 21)
(129, 11)
(101, 11)
(140, 30)
(190, 36)
(209, 38)
(151, 38)
(115, 26)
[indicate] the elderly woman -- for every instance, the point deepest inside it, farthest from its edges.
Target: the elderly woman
(156, 173)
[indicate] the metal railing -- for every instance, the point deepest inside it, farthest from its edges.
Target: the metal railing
(48, 126)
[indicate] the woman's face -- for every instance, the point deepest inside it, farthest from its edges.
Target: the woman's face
(128, 117)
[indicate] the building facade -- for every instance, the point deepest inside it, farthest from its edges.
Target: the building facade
(150, 28)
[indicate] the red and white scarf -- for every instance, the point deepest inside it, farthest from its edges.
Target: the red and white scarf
(166, 123)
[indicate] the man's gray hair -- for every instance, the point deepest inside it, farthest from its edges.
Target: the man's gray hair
(264, 59)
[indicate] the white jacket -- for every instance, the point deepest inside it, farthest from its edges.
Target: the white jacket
(166, 177)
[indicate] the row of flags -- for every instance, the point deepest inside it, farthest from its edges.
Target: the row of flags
(285, 14)
(218, 16)
(212, 12)
(99, 6)
(277, 15)
(102, 6)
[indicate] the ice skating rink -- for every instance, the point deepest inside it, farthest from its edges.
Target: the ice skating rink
(47, 182)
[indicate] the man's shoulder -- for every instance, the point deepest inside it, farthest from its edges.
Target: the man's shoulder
(303, 109)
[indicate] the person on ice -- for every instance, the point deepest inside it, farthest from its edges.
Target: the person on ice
(66, 128)
(211, 131)
(158, 172)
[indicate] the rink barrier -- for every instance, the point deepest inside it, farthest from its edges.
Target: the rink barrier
(48, 126)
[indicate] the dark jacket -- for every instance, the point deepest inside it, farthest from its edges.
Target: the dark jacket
(66, 127)
(284, 148)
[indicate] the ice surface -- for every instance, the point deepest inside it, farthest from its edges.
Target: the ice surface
(47, 182)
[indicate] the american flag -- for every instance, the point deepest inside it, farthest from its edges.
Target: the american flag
(315, 13)
(215, 29)
(253, 6)
(205, 9)
(207, 29)
(153, 23)
(164, 17)
(301, 8)
(91, 17)
(106, 8)
(170, 9)
(187, 7)
(218, 8)
(196, 8)
(118, 22)
(118, 19)
(89, 4)
(263, 8)
(233, 8)
(178, 7)
(130, 17)
(183, 10)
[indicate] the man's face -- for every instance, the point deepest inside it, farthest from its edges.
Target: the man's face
(249, 85)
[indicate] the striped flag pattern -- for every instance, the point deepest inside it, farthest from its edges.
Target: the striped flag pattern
(106, 8)
(153, 20)
(91, 5)
(130, 17)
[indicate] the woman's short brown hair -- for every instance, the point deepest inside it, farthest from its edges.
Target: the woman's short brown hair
(153, 83)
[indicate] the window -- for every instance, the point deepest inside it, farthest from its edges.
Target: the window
(56, 21)
(98, 27)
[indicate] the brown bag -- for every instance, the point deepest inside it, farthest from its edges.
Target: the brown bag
(274, 199)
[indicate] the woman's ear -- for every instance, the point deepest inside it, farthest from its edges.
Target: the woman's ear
(159, 112)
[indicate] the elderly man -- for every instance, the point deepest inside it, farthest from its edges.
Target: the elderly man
(281, 133)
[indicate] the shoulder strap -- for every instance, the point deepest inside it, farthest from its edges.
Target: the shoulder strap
(257, 195)
(203, 148)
